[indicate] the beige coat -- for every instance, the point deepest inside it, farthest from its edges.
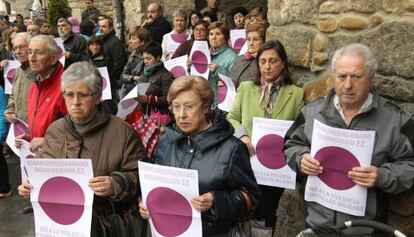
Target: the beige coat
(109, 142)
(18, 100)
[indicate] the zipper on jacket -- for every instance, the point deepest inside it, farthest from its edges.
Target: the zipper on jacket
(35, 112)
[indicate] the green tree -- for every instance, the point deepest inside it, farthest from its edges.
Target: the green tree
(57, 9)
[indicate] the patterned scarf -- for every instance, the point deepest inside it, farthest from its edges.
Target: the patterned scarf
(250, 56)
(267, 90)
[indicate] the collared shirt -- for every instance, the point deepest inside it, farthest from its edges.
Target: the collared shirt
(364, 106)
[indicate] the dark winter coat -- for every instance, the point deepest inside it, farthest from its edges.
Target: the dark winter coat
(223, 165)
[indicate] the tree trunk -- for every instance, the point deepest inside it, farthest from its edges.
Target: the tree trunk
(119, 19)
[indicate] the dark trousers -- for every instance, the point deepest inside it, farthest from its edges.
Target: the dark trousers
(268, 204)
(4, 173)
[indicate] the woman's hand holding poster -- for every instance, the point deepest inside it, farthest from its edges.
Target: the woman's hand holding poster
(269, 163)
(61, 197)
(167, 192)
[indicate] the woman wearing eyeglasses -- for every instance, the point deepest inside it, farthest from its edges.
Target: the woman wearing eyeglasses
(203, 140)
(89, 132)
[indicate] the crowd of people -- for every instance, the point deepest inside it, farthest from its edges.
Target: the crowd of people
(66, 116)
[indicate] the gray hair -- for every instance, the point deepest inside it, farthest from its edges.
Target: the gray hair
(83, 72)
(357, 49)
(180, 13)
(24, 35)
(51, 43)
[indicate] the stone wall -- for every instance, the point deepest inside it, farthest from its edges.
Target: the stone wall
(311, 33)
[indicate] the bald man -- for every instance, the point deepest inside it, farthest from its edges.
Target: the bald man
(155, 23)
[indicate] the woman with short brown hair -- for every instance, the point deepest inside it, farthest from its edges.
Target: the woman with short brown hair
(203, 140)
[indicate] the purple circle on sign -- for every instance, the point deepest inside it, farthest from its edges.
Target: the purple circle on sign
(62, 199)
(170, 212)
(238, 44)
(10, 75)
(104, 83)
(336, 163)
(178, 71)
(269, 151)
(222, 92)
(200, 61)
(19, 128)
(126, 104)
(179, 38)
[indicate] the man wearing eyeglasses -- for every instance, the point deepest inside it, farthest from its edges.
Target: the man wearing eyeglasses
(17, 105)
(354, 104)
(45, 100)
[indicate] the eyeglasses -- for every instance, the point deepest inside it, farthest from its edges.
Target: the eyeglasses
(37, 52)
(79, 95)
(188, 108)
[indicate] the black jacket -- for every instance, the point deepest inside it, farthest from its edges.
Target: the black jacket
(160, 83)
(114, 48)
(159, 28)
(76, 45)
(223, 165)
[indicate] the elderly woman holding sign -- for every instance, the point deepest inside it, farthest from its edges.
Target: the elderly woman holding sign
(203, 140)
(245, 67)
(178, 35)
(89, 132)
(271, 95)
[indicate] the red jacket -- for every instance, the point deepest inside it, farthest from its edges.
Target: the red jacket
(45, 103)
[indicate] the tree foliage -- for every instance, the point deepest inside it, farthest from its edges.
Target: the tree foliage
(57, 9)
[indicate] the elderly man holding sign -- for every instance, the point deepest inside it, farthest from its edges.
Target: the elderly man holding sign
(353, 104)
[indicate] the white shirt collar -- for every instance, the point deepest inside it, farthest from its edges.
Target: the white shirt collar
(363, 108)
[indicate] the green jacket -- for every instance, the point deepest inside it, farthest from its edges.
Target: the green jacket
(246, 105)
(224, 58)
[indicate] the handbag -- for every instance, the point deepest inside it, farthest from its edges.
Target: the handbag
(148, 127)
(123, 221)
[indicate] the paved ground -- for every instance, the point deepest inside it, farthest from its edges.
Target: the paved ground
(13, 223)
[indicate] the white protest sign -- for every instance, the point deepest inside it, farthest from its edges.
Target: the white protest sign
(243, 50)
(62, 58)
(142, 88)
(338, 151)
(61, 198)
(225, 93)
(200, 56)
(16, 129)
(174, 40)
(167, 192)
(8, 73)
(25, 153)
(269, 163)
(128, 104)
(106, 83)
(238, 39)
(177, 66)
